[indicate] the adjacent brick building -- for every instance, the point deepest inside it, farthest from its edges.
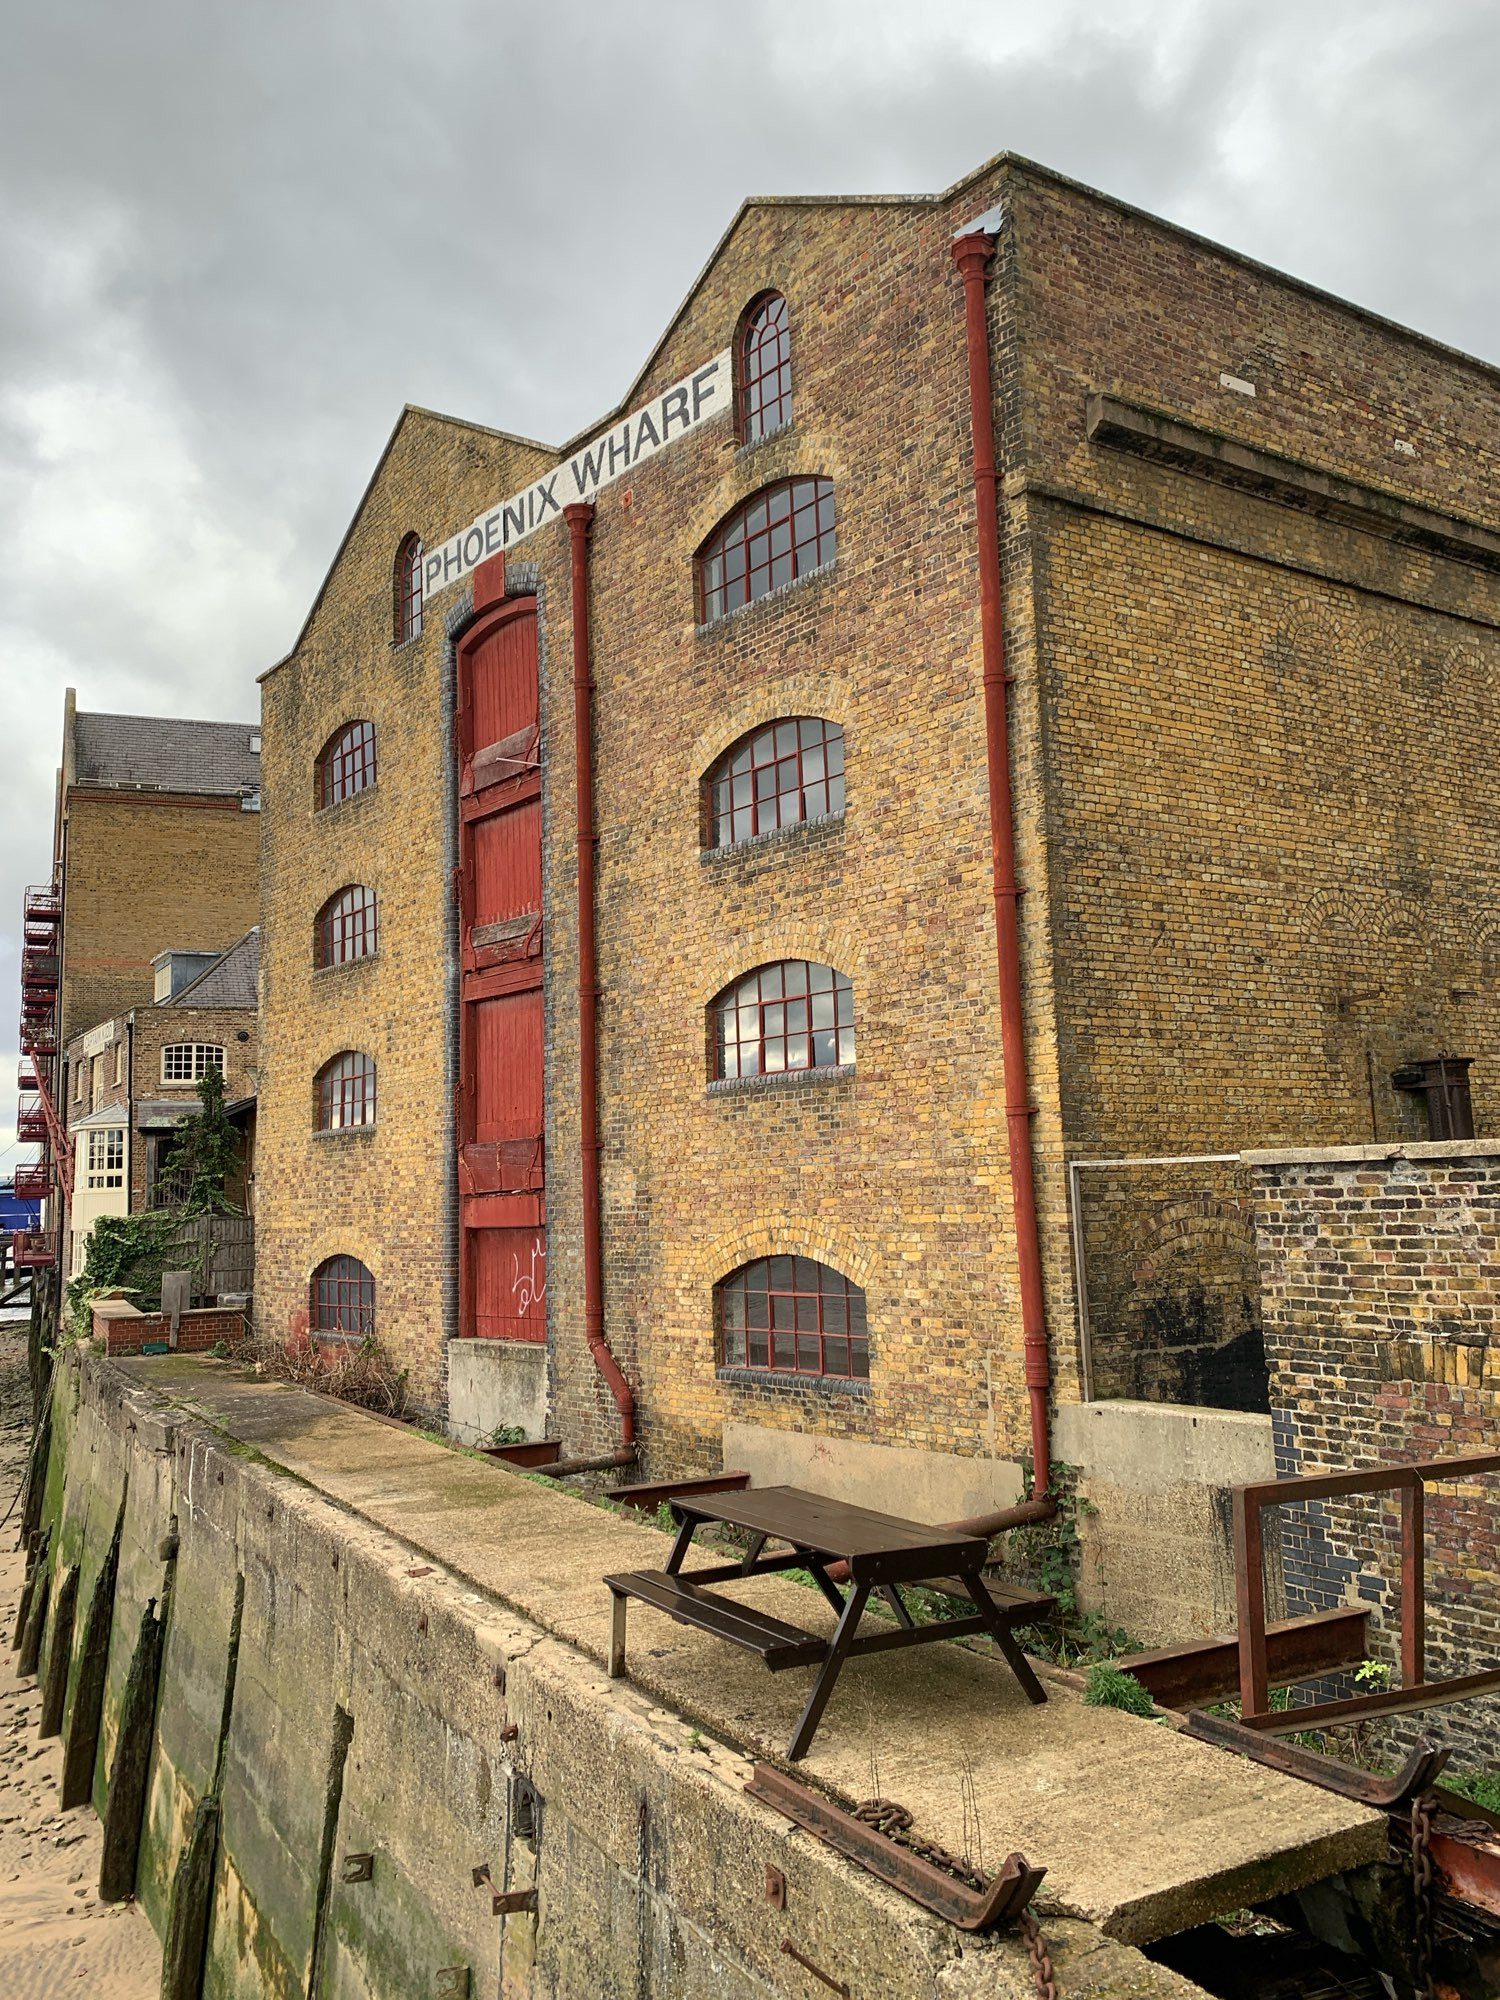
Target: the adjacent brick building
(131, 1082)
(155, 856)
(1249, 550)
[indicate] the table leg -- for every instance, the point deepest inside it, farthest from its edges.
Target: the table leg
(897, 1603)
(818, 1571)
(828, 1673)
(617, 1636)
(686, 1528)
(1005, 1639)
(757, 1543)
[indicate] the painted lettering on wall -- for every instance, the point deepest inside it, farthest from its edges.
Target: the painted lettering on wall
(697, 399)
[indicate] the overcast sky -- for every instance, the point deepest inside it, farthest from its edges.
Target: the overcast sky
(235, 239)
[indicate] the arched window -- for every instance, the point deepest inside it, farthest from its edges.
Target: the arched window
(343, 1298)
(408, 590)
(346, 1092)
(346, 763)
(765, 360)
(346, 927)
(781, 534)
(789, 1016)
(777, 776)
(792, 1313)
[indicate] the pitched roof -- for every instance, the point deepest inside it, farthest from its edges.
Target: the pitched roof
(230, 981)
(163, 754)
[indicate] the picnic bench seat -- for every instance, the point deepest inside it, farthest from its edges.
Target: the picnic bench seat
(1016, 1604)
(778, 1644)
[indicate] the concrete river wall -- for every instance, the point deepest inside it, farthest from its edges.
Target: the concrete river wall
(342, 1733)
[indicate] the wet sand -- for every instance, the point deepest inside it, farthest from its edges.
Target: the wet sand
(56, 1936)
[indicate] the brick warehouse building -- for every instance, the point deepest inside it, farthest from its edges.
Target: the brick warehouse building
(1248, 605)
(155, 852)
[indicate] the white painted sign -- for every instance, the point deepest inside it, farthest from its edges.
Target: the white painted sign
(697, 399)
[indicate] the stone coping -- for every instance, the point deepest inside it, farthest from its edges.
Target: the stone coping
(1384, 1149)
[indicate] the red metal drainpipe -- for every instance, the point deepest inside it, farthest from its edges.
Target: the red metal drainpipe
(580, 519)
(972, 254)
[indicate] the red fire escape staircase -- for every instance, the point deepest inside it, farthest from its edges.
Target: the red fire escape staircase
(37, 1119)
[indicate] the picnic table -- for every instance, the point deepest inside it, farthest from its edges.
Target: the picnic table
(878, 1553)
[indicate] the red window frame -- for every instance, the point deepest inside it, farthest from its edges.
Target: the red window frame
(783, 1018)
(792, 1315)
(408, 589)
(346, 764)
(343, 1299)
(786, 772)
(348, 926)
(346, 1092)
(765, 359)
(779, 534)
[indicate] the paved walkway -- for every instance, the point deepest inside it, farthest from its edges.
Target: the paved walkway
(1140, 1829)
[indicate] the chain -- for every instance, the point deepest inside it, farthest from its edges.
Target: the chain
(894, 1821)
(1422, 1809)
(1047, 1987)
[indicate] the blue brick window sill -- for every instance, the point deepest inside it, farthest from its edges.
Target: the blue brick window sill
(782, 1079)
(788, 1378)
(796, 830)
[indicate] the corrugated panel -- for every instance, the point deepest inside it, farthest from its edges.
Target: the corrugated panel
(507, 1041)
(503, 683)
(508, 863)
(509, 1283)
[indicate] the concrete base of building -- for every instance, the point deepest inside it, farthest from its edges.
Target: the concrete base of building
(1155, 1540)
(895, 1479)
(494, 1385)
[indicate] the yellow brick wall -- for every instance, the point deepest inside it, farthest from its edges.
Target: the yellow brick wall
(377, 1193)
(146, 875)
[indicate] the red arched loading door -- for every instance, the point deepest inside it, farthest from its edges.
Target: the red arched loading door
(501, 1179)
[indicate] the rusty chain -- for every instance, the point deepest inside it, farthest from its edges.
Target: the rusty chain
(894, 1821)
(1423, 1808)
(1047, 1987)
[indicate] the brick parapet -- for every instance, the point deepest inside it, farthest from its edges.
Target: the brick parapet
(1381, 1295)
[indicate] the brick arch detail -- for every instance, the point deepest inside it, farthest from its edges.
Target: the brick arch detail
(1184, 1225)
(835, 945)
(815, 455)
(825, 695)
(784, 1236)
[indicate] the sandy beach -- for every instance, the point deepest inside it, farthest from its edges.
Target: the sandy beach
(55, 1934)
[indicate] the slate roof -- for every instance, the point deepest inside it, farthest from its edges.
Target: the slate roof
(231, 980)
(165, 754)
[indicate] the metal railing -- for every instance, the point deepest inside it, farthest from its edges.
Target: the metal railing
(1416, 1692)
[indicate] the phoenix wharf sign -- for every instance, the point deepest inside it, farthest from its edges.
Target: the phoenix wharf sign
(696, 400)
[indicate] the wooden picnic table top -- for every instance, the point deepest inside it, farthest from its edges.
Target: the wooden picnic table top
(831, 1527)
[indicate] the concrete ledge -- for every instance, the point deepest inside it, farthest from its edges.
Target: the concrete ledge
(1153, 1447)
(1417, 1149)
(494, 1384)
(1155, 1539)
(920, 1485)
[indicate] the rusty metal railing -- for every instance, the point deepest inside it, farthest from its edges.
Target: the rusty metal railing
(1416, 1691)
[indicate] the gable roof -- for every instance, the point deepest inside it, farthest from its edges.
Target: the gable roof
(159, 753)
(408, 412)
(231, 981)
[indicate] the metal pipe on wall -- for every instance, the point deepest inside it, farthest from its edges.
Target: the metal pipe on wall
(580, 519)
(972, 253)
